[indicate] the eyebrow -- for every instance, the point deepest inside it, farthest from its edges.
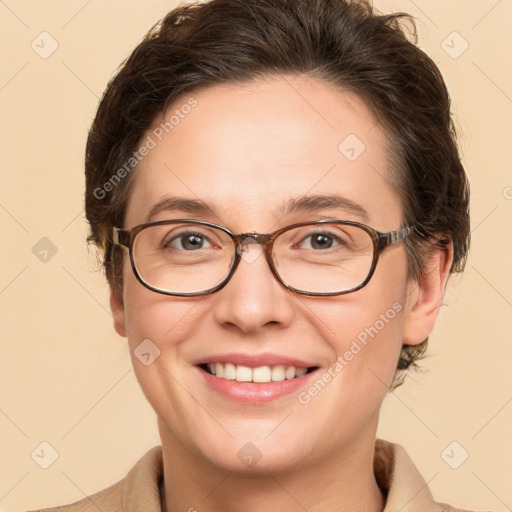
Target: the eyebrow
(323, 202)
(192, 206)
(300, 204)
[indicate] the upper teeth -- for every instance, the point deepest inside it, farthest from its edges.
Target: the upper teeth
(242, 373)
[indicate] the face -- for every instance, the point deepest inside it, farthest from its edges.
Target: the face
(247, 151)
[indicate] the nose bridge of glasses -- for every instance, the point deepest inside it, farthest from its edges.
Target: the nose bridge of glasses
(244, 239)
(262, 240)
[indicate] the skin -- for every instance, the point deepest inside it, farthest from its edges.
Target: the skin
(246, 149)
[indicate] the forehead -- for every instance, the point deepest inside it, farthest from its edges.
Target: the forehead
(247, 150)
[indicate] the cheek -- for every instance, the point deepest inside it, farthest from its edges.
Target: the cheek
(365, 331)
(158, 328)
(366, 347)
(364, 336)
(147, 313)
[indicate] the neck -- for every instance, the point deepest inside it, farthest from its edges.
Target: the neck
(342, 482)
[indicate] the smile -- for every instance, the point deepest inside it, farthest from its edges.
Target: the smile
(255, 378)
(260, 374)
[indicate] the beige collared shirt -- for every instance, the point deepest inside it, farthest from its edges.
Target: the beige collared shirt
(139, 491)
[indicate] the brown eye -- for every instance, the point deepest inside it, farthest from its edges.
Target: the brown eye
(188, 241)
(320, 241)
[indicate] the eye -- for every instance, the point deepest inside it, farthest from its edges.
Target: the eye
(320, 241)
(187, 241)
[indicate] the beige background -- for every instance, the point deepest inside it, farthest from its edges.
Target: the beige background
(66, 377)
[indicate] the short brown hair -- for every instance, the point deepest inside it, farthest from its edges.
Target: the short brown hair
(345, 43)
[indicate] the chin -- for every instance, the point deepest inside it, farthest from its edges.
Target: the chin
(249, 458)
(253, 450)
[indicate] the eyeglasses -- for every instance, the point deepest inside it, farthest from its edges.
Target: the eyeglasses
(188, 258)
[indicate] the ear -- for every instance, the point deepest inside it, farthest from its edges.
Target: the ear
(426, 295)
(117, 308)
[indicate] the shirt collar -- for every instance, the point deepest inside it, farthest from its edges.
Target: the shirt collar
(404, 487)
(400, 481)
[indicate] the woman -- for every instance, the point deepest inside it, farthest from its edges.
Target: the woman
(277, 191)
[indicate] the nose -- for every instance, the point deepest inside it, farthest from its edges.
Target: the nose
(254, 298)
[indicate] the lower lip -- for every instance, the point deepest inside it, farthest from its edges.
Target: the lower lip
(255, 392)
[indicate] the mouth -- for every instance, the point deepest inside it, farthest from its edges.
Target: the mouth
(260, 374)
(255, 378)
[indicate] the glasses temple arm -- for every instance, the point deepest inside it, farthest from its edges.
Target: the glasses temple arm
(393, 237)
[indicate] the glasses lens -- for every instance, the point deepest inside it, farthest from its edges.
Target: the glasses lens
(324, 258)
(183, 257)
